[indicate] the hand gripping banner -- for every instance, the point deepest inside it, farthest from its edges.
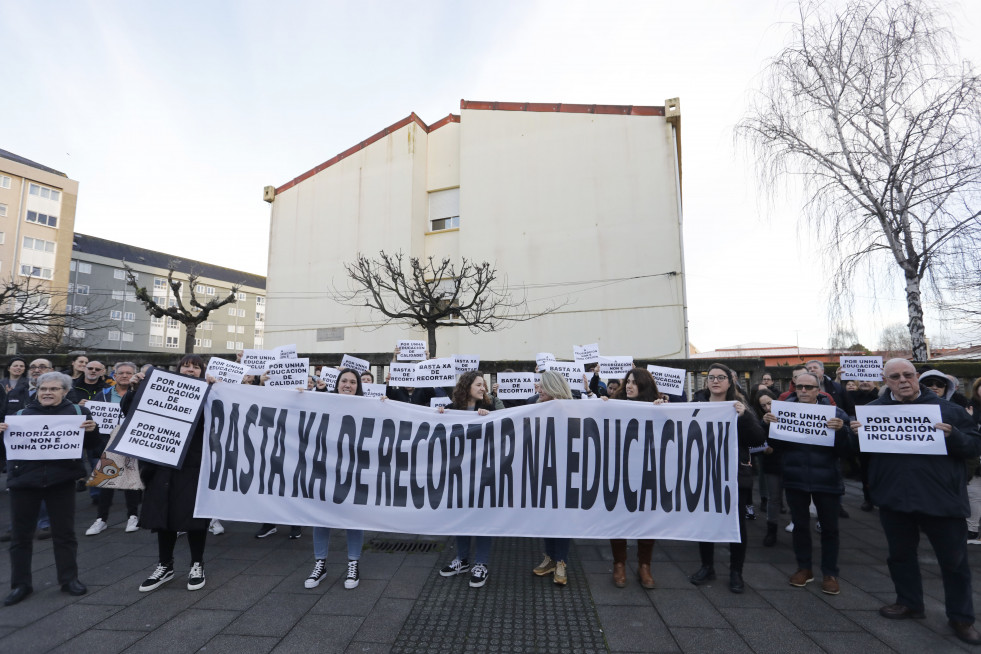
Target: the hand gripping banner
(615, 469)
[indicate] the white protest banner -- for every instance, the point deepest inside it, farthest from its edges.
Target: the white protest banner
(288, 373)
(585, 353)
(515, 385)
(572, 372)
(329, 377)
(861, 368)
(108, 415)
(557, 469)
(285, 351)
(615, 366)
(542, 358)
(411, 351)
(167, 406)
(901, 429)
(402, 374)
(44, 438)
(225, 371)
(257, 361)
(435, 402)
(354, 363)
(435, 373)
(465, 362)
(668, 380)
(373, 390)
(802, 423)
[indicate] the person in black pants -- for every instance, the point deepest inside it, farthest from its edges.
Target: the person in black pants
(51, 481)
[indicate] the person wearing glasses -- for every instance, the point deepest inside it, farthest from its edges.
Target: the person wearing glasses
(928, 493)
(812, 473)
(87, 387)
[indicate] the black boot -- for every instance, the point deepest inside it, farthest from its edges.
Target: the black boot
(705, 573)
(771, 535)
(736, 582)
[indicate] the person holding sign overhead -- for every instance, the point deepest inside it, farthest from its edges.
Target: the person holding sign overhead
(928, 493)
(470, 394)
(348, 383)
(168, 500)
(812, 473)
(722, 389)
(52, 481)
(637, 386)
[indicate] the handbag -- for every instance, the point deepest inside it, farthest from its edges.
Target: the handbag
(115, 471)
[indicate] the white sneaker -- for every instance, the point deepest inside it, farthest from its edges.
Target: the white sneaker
(789, 528)
(215, 527)
(195, 579)
(353, 577)
(318, 574)
(97, 527)
(133, 524)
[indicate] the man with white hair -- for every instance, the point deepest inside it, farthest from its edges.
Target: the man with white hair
(928, 493)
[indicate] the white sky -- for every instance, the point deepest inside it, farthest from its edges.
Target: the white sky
(174, 115)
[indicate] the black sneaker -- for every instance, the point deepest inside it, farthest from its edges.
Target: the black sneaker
(353, 578)
(455, 567)
(195, 579)
(479, 575)
(750, 512)
(296, 533)
(265, 530)
(44, 533)
(318, 574)
(163, 573)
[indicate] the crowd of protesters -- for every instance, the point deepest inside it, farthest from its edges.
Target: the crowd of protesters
(939, 496)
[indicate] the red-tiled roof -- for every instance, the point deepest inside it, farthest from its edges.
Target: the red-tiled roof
(614, 109)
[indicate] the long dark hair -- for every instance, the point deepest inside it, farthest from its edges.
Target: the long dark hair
(766, 392)
(461, 392)
(191, 358)
(734, 393)
(646, 386)
(357, 375)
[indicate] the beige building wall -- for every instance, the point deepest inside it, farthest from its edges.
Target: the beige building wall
(573, 207)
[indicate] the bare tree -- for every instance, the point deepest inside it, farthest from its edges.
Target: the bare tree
(190, 315)
(894, 341)
(37, 318)
(433, 294)
(882, 123)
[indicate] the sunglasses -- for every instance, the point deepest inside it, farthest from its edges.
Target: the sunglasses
(806, 387)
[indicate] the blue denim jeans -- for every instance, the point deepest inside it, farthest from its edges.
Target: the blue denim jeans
(483, 548)
(321, 540)
(557, 549)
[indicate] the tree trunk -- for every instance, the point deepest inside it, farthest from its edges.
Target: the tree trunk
(431, 329)
(192, 332)
(917, 333)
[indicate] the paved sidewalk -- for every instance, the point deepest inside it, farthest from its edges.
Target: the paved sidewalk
(254, 600)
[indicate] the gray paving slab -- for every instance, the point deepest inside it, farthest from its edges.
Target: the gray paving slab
(337, 600)
(105, 641)
(232, 644)
(273, 615)
(55, 628)
(636, 629)
(709, 641)
(320, 633)
(188, 631)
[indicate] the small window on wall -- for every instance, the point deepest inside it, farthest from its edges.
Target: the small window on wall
(444, 209)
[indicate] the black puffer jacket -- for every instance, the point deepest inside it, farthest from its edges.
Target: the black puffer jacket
(815, 468)
(42, 474)
(930, 484)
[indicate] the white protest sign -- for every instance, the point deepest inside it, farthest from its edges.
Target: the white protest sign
(402, 374)
(901, 429)
(288, 373)
(37, 438)
(572, 372)
(411, 351)
(373, 390)
(465, 362)
(285, 351)
(802, 423)
(585, 353)
(257, 361)
(354, 363)
(436, 402)
(861, 368)
(107, 414)
(329, 376)
(542, 358)
(615, 366)
(515, 385)
(225, 371)
(158, 430)
(668, 380)
(435, 373)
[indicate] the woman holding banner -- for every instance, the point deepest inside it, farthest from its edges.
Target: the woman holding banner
(348, 383)
(722, 388)
(168, 500)
(637, 386)
(470, 394)
(554, 387)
